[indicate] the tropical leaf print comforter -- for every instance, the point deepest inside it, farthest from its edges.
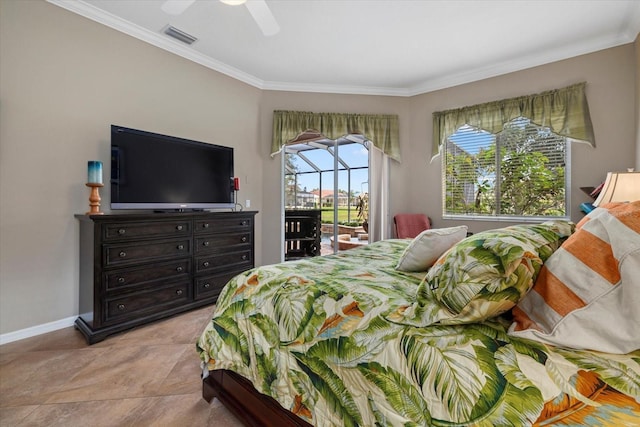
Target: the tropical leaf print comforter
(321, 336)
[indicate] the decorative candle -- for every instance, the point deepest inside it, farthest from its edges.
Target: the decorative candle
(95, 172)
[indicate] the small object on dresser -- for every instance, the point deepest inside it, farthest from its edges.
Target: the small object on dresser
(596, 191)
(94, 172)
(94, 198)
(94, 181)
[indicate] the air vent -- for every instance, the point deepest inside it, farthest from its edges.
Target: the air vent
(179, 35)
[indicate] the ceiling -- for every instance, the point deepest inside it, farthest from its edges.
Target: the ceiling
(381, 47)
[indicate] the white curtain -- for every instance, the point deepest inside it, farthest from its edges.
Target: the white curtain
(379, 225)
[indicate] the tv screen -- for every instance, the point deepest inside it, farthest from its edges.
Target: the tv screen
(160, 172)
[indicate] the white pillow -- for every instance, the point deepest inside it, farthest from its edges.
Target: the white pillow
(427, 247)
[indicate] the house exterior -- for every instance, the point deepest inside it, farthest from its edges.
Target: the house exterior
(327, 198)
(301, 199)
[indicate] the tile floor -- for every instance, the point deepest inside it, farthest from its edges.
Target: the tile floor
(149, 376)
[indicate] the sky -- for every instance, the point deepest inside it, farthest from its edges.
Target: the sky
(472, 140)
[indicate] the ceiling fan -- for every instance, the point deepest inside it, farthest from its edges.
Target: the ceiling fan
(257, 8)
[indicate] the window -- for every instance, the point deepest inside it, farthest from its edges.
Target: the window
(518, 173)
(509, 159)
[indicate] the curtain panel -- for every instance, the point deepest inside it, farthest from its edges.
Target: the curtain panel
(380, 129)
(565, 111)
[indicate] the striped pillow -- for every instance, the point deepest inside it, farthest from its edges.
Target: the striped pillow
(587, 295)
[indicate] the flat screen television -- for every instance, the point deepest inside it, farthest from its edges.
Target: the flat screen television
(161, 172)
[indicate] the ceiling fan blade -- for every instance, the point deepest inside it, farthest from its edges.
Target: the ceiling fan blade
(263, 16)
(176, 7)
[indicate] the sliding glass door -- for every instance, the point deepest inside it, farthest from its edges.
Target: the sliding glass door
(330, 177)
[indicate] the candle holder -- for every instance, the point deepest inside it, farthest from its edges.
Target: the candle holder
(94, 198)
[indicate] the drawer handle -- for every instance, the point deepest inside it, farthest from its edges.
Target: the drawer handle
(179, 269)
(120, 279)
(245, 222)
(206, 285)
(179, 227)
(205, 264)
(121, 307)
(122, 254)
(122, 231)
(244, 239)
(179, 292)
(205, 243)
(205, 225)
(180, 247)
(244, 257)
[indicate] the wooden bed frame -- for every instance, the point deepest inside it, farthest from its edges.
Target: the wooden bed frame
(245, 402)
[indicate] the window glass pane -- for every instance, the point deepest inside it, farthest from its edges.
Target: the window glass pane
(309, 178)
(356, 155)
(520, 172)
(323, 159)
(301, 165)
(469, 172)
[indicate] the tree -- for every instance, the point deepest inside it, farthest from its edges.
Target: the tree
(532, 171)
(520, 173)
(290, 187)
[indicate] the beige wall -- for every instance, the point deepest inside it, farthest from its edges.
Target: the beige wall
(64, 79)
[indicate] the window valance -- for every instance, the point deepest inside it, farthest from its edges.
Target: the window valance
(380, 129)
(565, 111)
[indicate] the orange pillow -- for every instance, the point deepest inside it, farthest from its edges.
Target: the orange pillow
(588, 292)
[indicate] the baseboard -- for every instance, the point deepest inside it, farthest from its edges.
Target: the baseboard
(37, 330)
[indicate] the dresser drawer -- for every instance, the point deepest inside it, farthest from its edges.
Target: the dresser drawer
(153, 300)
(150, 229)
(223, 224)
(222, 242)
(132, 277)
(237, 260)
(210, 286)
(128, 253)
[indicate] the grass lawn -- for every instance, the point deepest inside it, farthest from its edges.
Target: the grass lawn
(343, 215)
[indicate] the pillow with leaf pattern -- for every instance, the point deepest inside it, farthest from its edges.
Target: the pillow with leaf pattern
(487, 273)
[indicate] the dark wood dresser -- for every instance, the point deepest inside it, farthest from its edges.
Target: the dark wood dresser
(137, 268)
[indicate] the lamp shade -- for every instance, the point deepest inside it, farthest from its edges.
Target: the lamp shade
(620, 187)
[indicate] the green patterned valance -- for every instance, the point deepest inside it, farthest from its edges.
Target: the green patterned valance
(565, 111)
(380, 129)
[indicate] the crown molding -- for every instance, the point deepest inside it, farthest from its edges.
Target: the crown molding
(337, 89)
(553, 55)
(627, 34)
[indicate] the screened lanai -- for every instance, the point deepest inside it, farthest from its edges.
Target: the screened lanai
(326, 177)
(310, 181)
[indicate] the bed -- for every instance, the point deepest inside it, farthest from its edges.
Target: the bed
(440, 330)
